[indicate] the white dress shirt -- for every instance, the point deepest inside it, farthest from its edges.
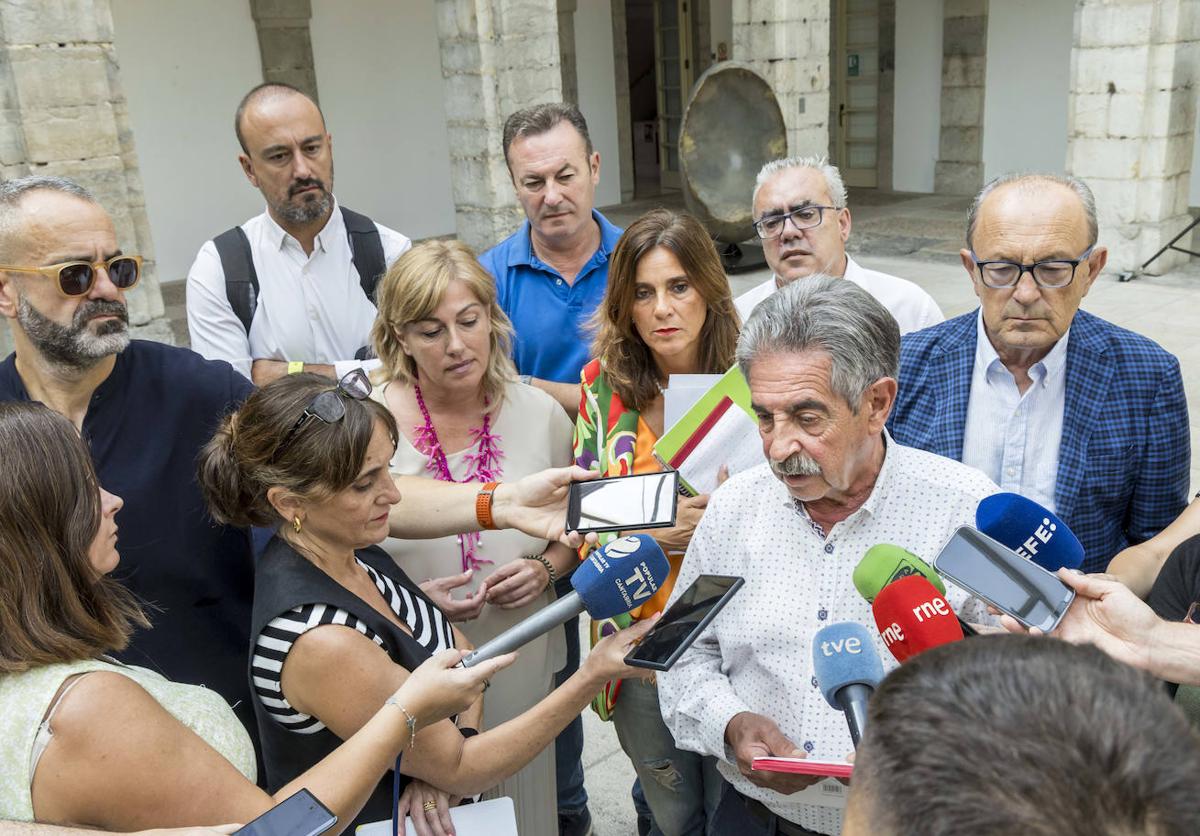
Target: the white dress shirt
(1013, 437)
(310, 307)
(912, 307)
(756, 656)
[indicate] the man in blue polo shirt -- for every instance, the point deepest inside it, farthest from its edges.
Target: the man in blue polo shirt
(551, 273)
(145, 410)
(550, 277)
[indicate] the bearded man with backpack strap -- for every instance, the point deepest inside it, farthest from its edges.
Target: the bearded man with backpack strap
(293, 288)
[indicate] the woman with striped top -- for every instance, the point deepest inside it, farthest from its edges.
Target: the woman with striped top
(336, 625)
(89, 741)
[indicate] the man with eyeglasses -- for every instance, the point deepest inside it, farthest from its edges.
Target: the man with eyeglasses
(1051, 402)
(145, 409)
(801, 216)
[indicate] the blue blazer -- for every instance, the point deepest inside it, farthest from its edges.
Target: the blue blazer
(1124, 458)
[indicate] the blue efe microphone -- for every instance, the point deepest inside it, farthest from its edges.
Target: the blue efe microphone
(848, 668)
(612, 580)
(1030, 530)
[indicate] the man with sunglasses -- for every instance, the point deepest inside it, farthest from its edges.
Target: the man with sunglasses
(800, 214)
(145, 410)
(1051, 402)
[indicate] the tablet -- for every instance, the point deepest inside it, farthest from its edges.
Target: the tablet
(804, 766)
(683, 622)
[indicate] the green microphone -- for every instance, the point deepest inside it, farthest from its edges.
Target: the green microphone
(885, 563)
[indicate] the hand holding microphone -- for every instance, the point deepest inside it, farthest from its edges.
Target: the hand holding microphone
(912, 617)
(848, 669)
(1030, 530)
(611, 581)
(884, 564)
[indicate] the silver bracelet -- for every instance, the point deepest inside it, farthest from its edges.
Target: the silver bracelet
(410, 721)
(541, 558)
(527, 379)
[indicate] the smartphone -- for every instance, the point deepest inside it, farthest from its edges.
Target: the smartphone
(804, 766)
(297, 815)
(621, 503)
(1004, 579)
(683, 622)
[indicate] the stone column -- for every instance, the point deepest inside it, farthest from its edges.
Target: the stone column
(959, 168)
(284, 45)
(498, 56)
(566, 50)
(787, 43)
(1131, 120)
(63, 112)
(621, 80)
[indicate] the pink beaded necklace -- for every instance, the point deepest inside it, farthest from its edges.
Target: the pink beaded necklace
(482, 466)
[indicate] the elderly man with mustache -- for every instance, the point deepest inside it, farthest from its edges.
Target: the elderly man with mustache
(821, 357)
(291, 289)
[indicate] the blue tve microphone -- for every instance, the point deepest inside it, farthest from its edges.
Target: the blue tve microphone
(1030, 530)
(612, 580)
(848, 668)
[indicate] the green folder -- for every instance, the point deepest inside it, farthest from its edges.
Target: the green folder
(675, 444)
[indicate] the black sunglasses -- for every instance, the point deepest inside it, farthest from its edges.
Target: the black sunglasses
(328, 406)
(75, 278)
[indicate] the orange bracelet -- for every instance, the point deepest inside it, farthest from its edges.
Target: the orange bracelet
(483, 506)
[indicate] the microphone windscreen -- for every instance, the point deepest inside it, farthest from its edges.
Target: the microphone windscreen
(912, 616)
(844, 654)
(885, 563)
(620, 576)
(1030, 530)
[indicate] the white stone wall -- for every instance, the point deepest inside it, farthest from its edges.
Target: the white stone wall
(181, 104)
(1028, 79)
(380, 81)
(917, 94)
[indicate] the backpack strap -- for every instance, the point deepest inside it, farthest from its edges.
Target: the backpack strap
(366, 249)
(241, 280)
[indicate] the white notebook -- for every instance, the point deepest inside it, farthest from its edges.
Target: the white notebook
(496, 817)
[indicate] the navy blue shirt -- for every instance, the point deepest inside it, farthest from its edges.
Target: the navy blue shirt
(145, 426)
(549, 316)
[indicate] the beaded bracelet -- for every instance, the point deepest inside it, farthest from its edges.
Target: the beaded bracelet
(541, 558)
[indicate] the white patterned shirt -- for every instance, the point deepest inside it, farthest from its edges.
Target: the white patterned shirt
(756, 655)
(907, 301)
(1011, 436)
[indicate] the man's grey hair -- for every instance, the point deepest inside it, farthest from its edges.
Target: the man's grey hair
(12, 192)
(539, 119)
(833, 177)
(831, 315)
(1029, 181)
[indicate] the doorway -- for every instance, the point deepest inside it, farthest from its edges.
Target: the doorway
(854, 138)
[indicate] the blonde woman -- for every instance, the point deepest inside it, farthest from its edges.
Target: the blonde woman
(464, 417)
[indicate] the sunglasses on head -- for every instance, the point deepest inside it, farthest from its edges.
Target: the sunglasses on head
(328, 407)
(75, 278)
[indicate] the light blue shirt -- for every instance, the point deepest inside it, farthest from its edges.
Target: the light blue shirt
(1013, 437)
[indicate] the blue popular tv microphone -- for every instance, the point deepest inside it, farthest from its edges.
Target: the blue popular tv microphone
(848, 668)
(612, 580)
(1030, 530)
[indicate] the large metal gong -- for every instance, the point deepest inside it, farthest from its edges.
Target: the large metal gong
(731, 128)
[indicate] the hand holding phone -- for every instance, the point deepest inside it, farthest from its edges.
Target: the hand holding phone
(1004, 579)
(684, 621)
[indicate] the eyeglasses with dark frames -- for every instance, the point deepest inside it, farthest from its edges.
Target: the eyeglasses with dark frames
(328, 407)
(803, 217)
(1052, 273)
(76, 278)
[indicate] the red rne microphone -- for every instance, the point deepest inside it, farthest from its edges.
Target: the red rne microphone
(912, 616)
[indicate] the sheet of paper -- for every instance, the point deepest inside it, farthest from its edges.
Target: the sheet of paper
(681, 394)
(496, 817)
(733, 441)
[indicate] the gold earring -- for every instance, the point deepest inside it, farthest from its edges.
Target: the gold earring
(296, 524)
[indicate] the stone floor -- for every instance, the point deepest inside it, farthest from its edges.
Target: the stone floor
(916, 237)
